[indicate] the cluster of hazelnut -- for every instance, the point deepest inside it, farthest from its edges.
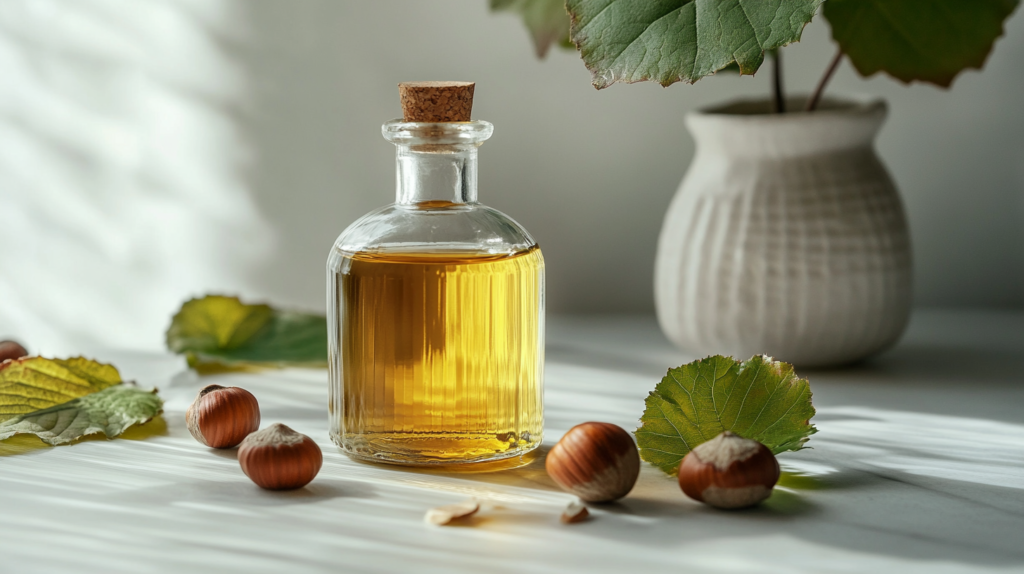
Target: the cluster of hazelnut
(599, 462)
(275, 458)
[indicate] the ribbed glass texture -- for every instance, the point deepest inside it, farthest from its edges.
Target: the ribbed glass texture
(436, 315)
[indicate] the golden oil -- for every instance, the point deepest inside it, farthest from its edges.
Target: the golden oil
(439, 355)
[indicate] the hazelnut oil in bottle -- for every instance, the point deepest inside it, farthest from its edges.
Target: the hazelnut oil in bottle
(436, 312)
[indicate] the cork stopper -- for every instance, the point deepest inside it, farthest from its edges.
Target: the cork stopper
(436, 101)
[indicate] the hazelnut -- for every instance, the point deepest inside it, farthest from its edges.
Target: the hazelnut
(11, 350)
(221, 417)
(278, 458)
(729, 471)
(597, 462)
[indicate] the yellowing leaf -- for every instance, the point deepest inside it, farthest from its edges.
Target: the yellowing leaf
(35, 383)
(215, 323)
(109, 411)
(218, 332)
(759, 399)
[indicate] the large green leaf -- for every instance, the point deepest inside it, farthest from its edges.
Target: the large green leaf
(109, 411)
(759, 399)
(34, 383)
(926, 40)
(681, 40)
(546, 20)
(218, 332)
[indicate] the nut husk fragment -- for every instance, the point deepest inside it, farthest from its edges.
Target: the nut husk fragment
(446, 514)
(574, 513)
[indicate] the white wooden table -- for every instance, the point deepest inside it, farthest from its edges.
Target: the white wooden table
(918, 467)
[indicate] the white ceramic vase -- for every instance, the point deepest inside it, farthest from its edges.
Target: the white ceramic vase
(786, 237)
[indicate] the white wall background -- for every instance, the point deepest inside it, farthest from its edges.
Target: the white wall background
(152, 151)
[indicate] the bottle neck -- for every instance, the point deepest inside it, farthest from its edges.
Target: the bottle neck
(433, 174)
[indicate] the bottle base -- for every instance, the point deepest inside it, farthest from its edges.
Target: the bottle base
(434, 450)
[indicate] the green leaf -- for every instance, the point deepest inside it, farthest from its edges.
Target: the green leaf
(681, 40)
(759, 399)
(732, 68)
(546, 20)
(926, 40)
(34, 383)
(109, 411)
(217, 333)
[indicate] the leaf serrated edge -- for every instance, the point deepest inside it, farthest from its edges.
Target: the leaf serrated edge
(791, 379)
(55, 440)
(599, 78)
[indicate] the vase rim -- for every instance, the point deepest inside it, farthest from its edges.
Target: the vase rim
(841, 125)
(759, 109)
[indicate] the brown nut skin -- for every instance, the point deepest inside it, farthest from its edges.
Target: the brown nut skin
(221, 417)
(278, 458)
(597, 462)
(11, 350)
(729, 471)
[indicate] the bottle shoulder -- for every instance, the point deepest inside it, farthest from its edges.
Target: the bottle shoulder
(467, 228)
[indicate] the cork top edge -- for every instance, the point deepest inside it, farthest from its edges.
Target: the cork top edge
(436, 101)
(435, 84)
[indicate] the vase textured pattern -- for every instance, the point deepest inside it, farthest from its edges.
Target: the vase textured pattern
(787, 237)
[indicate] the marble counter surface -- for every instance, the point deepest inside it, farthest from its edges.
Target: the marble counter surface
(918, 466)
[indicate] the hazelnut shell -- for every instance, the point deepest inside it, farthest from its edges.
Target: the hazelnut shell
(278, 458)
(729, 471)
(597, 462)
(11, 350)
(574, 513)
(447, 514)
(221, 417)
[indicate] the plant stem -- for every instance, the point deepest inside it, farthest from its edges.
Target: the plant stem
(812, 104)
(778, 99)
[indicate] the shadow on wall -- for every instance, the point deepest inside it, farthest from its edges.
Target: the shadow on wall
(120, 169)
(324, 78)
(319, 160)
(179, 147)
(588, 173)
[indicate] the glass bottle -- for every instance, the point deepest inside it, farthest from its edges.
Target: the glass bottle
(436, 314)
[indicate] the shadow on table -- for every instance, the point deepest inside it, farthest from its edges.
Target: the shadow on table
(913, 362)
(523, 472)
(241, 494)
(782, 504)
(883, 513)
(934, 362)
(873, 511)
(652, 484)
(609, 360)
(23, 444)
(981, 383)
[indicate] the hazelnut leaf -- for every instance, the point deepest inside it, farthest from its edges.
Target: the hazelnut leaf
(34, 383)
(223, 333)
(546, 20)
(917, 40)
(668, 41)
(110, 411)
(760, 399)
